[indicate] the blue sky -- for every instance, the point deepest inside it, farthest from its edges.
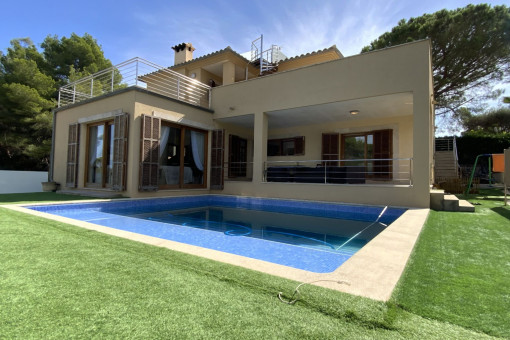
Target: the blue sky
(149, 29)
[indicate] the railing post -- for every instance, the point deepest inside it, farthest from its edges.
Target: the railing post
(178, 87)
(74, 93)
(58, 102)
(136, 76)
(113, 77)
(91, 87)
(410, 171)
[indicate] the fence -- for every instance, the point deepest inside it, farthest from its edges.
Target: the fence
(12, 182)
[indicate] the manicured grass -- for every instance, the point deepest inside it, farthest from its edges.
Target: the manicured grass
(34, 197)
(460, 269)
(60, 281)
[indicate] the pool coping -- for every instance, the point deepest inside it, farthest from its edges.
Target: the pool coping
(372, 272)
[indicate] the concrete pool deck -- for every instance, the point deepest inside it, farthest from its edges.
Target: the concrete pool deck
(372, 272)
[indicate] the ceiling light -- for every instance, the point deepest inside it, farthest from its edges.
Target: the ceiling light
(354, 112)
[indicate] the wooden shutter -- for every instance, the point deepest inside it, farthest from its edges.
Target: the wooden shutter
(330, 148)
(383, 149)
(149, 161)
(299, 145)
(73, 146)
(237, 156)
(217, 149)
(120, 139)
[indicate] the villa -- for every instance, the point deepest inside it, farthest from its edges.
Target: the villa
(318, 127)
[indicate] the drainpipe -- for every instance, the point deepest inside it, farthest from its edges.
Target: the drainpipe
(52, 151)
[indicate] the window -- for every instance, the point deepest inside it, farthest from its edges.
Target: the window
(99, 155)
(372, 150)
(182, 157)
(286, 146)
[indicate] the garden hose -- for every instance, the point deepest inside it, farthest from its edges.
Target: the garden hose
(295, 295)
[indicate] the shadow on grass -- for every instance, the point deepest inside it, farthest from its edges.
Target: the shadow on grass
(505, 212)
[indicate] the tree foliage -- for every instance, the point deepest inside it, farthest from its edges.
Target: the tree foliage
(73, 58)
(29, 82)
(470, 51)
(493, 122)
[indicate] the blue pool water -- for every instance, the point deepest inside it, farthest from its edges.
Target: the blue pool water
(312, 236)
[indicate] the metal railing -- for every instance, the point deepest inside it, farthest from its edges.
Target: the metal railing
(446, 144)
(449, 144)
(238, 171)
(394, 171)
(266, 59)
(140, 73)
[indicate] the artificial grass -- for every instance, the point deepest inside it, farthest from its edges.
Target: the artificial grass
(60, 281)
(460, 269)
(35, 197)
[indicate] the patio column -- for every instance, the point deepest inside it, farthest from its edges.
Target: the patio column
(259, 145)
(422, 148)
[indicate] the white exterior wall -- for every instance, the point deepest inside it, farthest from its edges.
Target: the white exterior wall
(12, 182)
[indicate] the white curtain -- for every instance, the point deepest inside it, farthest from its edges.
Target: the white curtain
(197, 147)
(165, 132)
(93, 147)
(95, 151)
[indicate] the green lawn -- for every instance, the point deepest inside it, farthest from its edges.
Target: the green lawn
(460, 269)
(34, 197)
(60, 281)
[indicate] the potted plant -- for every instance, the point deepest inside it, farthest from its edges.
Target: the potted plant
(49, 186)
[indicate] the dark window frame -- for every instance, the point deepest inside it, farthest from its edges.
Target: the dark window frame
(181, 184)
(382, 143)
(108, 136)
(275, 146)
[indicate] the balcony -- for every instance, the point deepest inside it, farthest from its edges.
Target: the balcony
(138, 73)
(391, 171)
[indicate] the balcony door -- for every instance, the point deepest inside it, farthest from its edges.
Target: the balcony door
(372, 150)
(182, 157)
(99, 155)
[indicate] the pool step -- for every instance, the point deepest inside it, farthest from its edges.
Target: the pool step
(90, 193)
(443, 202)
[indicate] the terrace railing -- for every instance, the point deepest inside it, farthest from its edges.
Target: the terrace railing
(392, 171)
(136, 72)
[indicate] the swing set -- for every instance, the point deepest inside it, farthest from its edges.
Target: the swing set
(497, 163)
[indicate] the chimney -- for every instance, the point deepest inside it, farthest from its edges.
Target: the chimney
(183, 53)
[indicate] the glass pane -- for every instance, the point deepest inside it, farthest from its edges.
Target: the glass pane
(95, 161)
(288, 147)
(194, 157)
(354, 148)
(170, 155)
(109, 157)
(370, 153)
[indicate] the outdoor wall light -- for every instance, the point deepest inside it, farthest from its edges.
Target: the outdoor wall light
(354, 112)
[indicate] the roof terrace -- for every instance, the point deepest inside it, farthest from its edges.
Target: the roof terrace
(136, 72)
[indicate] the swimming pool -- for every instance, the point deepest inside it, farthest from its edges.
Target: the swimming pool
(316, 237)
